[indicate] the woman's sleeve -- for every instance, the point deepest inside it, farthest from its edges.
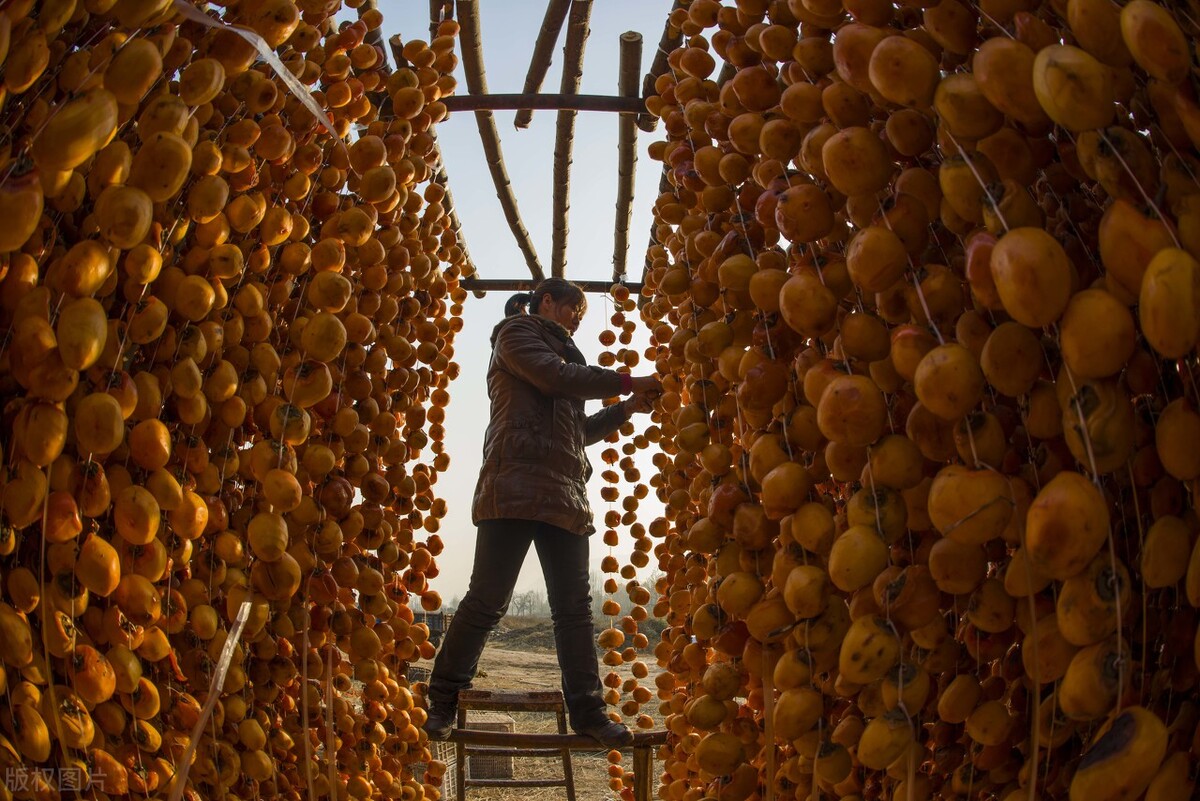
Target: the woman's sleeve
(523, 352)
(604, 422)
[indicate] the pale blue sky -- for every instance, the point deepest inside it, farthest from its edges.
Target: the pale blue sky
(508, 29)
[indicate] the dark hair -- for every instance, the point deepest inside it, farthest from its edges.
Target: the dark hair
(559, 290)
(517, 304)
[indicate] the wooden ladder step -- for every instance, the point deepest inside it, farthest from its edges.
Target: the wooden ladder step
(516, 783)
(492, 750)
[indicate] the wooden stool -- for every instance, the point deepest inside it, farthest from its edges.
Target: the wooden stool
(644, 743)
(512, 701)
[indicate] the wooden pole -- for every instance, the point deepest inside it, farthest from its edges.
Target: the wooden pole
(439, 171)
(214, 694)
(643, 766)
(439, 10)
(553, 102)
(440, 178)
(543, 53)
(472, 59)
(726, 74)
(631, 67)
(564, 139)
(642, 298)
(672, 37)
(374, 37)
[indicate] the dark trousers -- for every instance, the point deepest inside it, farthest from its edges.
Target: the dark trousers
(499, 553)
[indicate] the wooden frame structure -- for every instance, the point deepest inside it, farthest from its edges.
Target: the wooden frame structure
(629, 103)
(567, 102)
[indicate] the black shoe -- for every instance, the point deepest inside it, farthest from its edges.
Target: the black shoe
(608, 734)
(440, 722)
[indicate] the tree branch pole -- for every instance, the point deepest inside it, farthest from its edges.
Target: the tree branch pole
(726, 74)
(481, 286)
(543, 54)
(564, 139)
(472, 59)
(374, 36)
(631, 67)
(438, 11)
(439, 171)
(672, 37)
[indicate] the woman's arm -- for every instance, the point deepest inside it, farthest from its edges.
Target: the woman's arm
(604, 422)
(523, 352)
(600, 425)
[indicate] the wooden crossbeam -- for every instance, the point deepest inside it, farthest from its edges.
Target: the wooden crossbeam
(551, 101)
(575, 742)
(481, 286)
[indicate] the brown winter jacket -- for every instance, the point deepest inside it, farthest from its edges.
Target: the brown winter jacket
(534, 467)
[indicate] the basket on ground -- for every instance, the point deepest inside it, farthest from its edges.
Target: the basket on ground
(444, 752)
(488, 766)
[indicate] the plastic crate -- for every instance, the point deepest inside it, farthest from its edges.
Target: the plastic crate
(489, 766)
(445, 752)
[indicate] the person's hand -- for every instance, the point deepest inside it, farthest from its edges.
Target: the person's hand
(646, 385)
(638, 404)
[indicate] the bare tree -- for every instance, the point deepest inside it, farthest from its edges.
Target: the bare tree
(525, 604)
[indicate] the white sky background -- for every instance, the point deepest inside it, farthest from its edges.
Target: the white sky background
(508, 31)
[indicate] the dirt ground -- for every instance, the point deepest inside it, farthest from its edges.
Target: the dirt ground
(520, 656)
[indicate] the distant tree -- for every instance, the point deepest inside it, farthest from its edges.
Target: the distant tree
(538, 605)
(526, 603)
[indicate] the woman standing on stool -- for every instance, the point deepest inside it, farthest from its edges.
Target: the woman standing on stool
(533, 489)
